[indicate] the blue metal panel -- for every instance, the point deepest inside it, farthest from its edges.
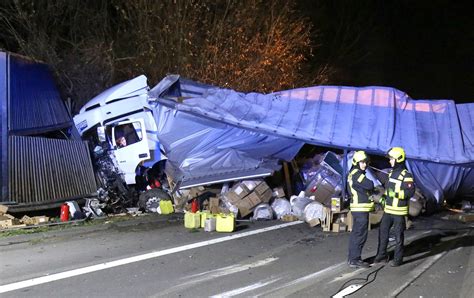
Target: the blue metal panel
(35, 104)
(46, 170)
(3, 127)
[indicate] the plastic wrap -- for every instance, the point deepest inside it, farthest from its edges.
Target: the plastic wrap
(298, 203)
(313, 210)
(263, 212)
(281, 207)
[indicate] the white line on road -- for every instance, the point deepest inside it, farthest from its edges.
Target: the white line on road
(245, 289)
(230, 269)
(309, 277)
(191, 280)
(419, 270)
(156, 254)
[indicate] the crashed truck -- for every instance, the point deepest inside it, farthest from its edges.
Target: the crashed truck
(197, 134)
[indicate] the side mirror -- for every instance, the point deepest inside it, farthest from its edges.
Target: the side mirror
(101, 134)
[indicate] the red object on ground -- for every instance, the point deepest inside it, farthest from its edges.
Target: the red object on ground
(64, 212)
(194, 206)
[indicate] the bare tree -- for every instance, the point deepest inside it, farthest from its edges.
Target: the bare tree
(246, 45)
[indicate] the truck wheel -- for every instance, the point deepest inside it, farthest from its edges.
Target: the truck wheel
(152, 193)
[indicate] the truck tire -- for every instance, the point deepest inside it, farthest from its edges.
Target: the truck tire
(152, 193)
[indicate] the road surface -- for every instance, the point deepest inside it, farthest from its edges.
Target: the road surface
(155, 256)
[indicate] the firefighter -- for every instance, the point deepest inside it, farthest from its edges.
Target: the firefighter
(361, 188)
(400, 188)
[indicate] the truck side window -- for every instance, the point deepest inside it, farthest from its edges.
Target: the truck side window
(127, 134)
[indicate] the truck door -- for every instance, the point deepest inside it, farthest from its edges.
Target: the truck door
(131, 146)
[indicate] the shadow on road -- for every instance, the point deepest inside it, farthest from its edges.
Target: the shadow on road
(435, 244)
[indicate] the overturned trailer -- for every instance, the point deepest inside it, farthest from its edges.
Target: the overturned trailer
(210, 134)
(42, 165)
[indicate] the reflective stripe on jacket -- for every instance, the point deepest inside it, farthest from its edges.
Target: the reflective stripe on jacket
(400, 188)
(361, 188)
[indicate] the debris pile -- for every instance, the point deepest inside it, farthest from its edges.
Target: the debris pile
(8, 221)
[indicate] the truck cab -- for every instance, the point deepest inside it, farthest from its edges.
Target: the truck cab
(122, 117)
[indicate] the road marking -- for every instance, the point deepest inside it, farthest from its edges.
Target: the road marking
(134, 259)
(248, 288)
(208, 275)
(306, 278)
(419, 270)
(231, 269)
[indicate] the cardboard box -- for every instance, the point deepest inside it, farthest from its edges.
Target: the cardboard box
(287, 217)
(335, 204)
(214, 205)
(8, 221)
(36, 220)
(322, 191)
(251, 184)
(338, 227)
(266, 196)
(213, 202)
(464, 217)
(314, 222)
(279, 192)
(240, 190)
(237, 193)
(196, 191)
(245, 206)
(254, 199)
(3, 209)
(262, 188)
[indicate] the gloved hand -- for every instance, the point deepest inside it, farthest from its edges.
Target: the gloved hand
(379, 189)
(382, 201)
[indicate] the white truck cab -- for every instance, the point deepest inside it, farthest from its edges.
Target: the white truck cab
(122, 114)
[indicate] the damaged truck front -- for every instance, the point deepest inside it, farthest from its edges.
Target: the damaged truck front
(121, 131)
(124, 124)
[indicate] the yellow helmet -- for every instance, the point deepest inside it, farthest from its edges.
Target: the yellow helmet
(358, 157)
(397, 153)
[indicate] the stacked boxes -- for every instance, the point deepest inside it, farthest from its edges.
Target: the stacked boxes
(248, 194)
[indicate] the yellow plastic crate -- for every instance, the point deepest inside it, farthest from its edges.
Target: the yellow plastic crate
(192, 220)
(205, 214)
(166, 207)
(225, 223)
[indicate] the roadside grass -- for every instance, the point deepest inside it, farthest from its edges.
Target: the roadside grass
(56, 225)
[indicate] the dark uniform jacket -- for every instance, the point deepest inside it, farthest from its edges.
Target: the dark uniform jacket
(361, 188)
(400, 187)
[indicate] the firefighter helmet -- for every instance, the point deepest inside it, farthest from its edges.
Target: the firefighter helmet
(397, 153)
(358, 157)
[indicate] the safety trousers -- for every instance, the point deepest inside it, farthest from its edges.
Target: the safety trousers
(358, 235)
(398, 224)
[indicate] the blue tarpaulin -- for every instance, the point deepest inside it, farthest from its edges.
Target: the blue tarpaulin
(215, 127)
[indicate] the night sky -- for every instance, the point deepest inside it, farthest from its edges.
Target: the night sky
(424, 48)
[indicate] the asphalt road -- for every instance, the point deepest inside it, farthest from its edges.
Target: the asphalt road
(155, 256)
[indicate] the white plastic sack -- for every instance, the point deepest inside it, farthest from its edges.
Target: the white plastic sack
(298, 204)
(263, 212)
(313, 210)
(281, 207)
